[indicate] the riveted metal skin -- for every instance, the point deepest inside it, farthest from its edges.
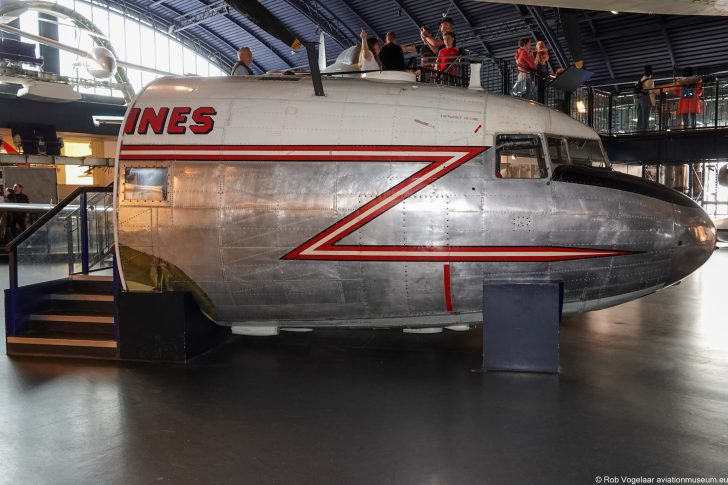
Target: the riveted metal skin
(295, 210)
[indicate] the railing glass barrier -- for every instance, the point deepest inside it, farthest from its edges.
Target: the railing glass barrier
(74, 237)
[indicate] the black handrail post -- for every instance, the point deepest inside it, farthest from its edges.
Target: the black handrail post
(717, 87)
(590, 108)
(660, 115)
(610, 118)
(505, 79)
(69, 244)
(11, 327)
(84, 232)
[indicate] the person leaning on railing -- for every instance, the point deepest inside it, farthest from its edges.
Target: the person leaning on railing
(428, 55)
(447, 57)
(688, 90)
(645, 97)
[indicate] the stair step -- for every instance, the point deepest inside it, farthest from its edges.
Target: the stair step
(90, 277)
(63, 346)
(50, 317)
(81, 297)
(63, 342)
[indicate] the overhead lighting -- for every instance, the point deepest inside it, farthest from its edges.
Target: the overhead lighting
(615, 12)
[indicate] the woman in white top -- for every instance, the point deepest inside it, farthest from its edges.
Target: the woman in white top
(369, 54)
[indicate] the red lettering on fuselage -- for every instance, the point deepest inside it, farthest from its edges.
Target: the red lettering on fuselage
(151, 118)
(179, 115)
(131, 121)
(201, 122)
(204, 118)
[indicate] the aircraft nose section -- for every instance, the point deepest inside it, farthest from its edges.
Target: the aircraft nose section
(695, 238)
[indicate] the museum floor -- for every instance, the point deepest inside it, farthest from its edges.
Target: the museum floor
(643, 391)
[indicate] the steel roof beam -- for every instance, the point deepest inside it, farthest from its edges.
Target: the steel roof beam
(320, 21)
(600, 45)
(538, 16)
(218, 36)
(456, 4)
(666, 36)
(410, 16)
(156, 19)
(359, 17)
(234, 47)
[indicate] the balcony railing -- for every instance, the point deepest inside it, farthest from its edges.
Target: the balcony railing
(608, 112)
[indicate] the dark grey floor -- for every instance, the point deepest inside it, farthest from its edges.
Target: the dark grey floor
(643, 392)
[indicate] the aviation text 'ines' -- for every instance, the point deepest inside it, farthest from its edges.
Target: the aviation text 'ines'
(381, 204)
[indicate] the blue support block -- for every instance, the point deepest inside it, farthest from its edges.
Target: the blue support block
(521, 326)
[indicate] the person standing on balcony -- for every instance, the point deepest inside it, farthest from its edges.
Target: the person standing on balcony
(447, 58)
(542, 69)
(645, 98)
(689, 90)
(391, 54)
(428, 55)
(369, 53)
(446, 25)
(242, 65)
(526, 65)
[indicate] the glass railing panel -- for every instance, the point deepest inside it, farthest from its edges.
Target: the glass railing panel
(54, 250)
(100, 231)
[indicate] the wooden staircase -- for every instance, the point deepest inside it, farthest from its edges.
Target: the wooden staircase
(75, 320)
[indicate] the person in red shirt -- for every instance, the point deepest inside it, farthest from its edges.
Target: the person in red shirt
(526, 65)
(688, 92)
(448, 55)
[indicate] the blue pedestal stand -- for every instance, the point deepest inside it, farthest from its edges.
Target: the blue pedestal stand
(521, 326)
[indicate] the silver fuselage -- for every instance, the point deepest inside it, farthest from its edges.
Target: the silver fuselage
(285, 212)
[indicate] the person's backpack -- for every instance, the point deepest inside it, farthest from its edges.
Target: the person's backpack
(688, 91)
(639, 86)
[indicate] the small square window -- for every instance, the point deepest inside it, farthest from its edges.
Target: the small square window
(519, 157)
(145, 183)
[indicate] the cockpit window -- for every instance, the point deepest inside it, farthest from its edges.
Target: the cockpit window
(586, 153)
(519, 157)
(557, 151)
(145, 183)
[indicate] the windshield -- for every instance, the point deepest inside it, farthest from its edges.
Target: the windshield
(586, 153)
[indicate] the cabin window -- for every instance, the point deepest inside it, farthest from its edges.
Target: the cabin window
(557, 151)
(145, 183)
(519, 157)
(586, 153)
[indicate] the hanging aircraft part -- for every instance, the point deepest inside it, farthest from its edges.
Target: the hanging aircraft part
(381, 204)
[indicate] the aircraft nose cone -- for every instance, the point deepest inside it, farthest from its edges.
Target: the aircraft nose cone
(695, 238)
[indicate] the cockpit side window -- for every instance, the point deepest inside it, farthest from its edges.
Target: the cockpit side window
(519, 157)
(586, 153)
(557, 151)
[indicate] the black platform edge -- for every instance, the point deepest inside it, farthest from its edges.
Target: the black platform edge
(164, 327)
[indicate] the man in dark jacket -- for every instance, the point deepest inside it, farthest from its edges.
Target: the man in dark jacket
(391, 54)
(17, 219)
